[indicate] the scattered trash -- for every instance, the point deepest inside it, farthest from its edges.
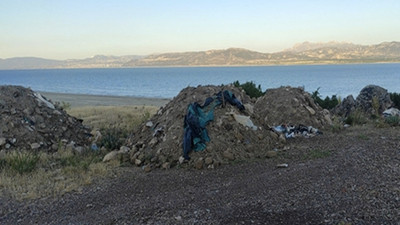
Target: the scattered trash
(283, 165)
(244, 120)
(291, 131)
(391, 112)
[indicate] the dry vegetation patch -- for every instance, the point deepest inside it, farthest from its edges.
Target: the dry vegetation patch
(31, 175)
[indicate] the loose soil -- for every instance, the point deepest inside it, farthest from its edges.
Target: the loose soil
(349, 177)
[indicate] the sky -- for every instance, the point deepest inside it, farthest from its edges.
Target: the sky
(74, 29)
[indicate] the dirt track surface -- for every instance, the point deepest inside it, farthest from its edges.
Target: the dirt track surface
(358, 183)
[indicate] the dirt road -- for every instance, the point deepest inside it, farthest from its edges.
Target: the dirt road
(357, 182)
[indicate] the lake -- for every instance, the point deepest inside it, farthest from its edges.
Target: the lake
(340, 80)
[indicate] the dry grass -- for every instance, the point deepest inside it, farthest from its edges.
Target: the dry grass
(122, 117)
(65, 171)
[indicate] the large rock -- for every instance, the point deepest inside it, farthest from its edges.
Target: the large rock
(347, 106)
(372, 98)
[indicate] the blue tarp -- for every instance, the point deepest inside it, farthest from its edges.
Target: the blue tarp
(197, 117)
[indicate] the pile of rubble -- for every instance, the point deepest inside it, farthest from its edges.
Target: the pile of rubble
(29, 121)
(234, 134)
(291, 106)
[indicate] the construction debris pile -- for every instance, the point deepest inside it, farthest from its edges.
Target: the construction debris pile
(234, 134)
(29, 121)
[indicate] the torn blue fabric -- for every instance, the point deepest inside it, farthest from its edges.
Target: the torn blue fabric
(197, 117)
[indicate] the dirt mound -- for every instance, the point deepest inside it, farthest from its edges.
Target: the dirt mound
(29, 121)
(287, 105)
(159, 142)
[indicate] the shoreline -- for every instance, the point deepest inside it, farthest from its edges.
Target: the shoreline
(80, 100)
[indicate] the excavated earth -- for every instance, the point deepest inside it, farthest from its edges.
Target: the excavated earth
(345, 176)
(30, 121)
(158, 143)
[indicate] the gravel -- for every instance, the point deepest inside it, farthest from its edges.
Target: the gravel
(358, 182)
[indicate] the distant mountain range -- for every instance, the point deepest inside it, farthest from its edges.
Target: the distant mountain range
(303, 53)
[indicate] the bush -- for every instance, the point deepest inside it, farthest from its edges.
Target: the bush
(250, 89)
(112, 138)
(395, 97)
(392, 120)
(327, 103)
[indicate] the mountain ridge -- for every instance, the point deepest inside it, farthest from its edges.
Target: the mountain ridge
(303, 53)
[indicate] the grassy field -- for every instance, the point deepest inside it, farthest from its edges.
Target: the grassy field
(27, 175)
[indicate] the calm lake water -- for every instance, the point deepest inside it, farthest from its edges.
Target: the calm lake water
(340, 80)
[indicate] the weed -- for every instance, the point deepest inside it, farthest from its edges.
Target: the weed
(146, 115)
(375, 105)
(356, 118)
(3, 164)
(336, 126)
(23, 162)
(363, 137)
(316, 154)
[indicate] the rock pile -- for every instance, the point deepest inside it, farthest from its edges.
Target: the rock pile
(292, 106)
(371, 100)
(158, 143)
(29, 121)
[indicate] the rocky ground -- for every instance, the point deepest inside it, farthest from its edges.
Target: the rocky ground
(346, 177)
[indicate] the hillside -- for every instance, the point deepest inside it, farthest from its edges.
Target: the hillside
(306, 53)
(303, 53)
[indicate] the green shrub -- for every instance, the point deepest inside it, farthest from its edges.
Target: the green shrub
(23, 162)
(250, 88)
(392, 120)
(327, 103)
(395, 97)
(111, 138)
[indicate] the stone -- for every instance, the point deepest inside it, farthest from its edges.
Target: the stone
(124, 149)
(371, 97)
(208, 161)
(166, 165)
(310, 110)
(347, 106)
(199, 163)
(3, 154)
(146, 168)
(138, 162)
(153, 141)
(35, 146)
(2, 141)
(228, 155)
(149, 124)
(79, 149)
(113, 155)
(271, 154)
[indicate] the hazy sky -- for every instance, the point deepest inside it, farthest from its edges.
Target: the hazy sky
(63, 29)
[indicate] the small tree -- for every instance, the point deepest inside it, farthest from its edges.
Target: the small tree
(250, 88)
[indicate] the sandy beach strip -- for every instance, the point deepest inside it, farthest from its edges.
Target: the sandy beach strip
(79, 100)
